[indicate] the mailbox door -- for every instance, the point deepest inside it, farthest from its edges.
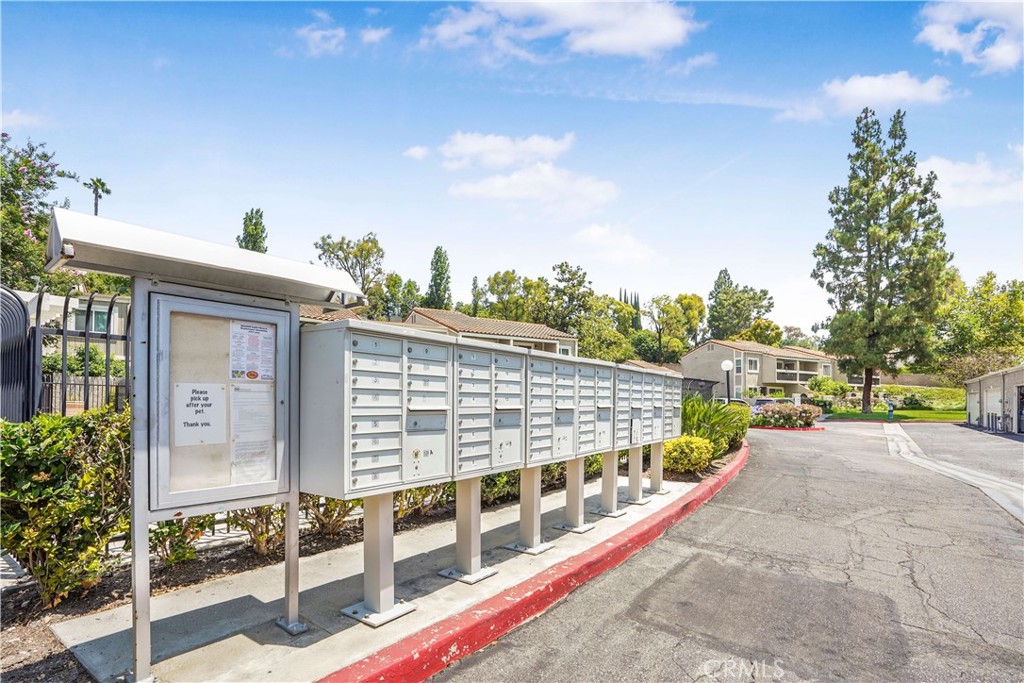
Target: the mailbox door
(473, 388)
(507, 443)
(603, 429)
(565, 442)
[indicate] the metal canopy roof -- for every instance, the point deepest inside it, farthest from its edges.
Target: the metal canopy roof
(92, 243)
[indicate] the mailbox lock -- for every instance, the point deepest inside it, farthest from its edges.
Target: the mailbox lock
(354, 444)
(415, 423)
(416, 453)
(355, 380)
(355, 342)
(410, 349)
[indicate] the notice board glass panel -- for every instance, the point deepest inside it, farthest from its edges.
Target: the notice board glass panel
(221, 413)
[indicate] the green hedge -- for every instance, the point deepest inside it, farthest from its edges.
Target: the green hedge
(688, 454)
(64, 494)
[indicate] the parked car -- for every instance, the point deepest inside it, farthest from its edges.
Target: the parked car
(732, 401)
(760, 403)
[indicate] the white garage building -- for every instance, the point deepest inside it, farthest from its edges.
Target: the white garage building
(996, 401)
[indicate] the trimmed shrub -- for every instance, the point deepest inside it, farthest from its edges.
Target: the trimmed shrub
(174, 540)
(64, 494)
(327, 519)
(420, 501)
(786, 415)
(264, 524)
(688, 454)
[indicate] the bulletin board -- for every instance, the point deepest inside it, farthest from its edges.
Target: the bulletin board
(222, 424)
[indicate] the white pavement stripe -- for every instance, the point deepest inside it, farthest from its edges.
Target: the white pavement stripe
(1006, 494)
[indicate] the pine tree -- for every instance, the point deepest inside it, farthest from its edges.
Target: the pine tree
(884, 261)
(439, 292)
(254, 234)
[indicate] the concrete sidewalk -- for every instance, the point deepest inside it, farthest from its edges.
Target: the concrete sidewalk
(224, 630)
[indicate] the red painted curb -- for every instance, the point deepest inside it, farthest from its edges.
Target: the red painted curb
(789, 429)
(432, 649)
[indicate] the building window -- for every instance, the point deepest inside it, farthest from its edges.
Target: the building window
(99, 321)
(826, 370)
(564, 351)
(753, 365)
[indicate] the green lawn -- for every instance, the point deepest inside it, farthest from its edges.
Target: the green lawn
(907, 415)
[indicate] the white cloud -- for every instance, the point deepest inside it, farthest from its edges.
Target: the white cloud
(988, 35)
(373, 35)
(417, 152)
(693, 63)
(884, 91)
(17, 118)
(562, 192)
(372, 11)
(320, 37)
(613, 244)
(966, 184)
(500, 151)
(1017, 149)
(626, 29)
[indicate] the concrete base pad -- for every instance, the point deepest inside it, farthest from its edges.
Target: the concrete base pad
(475, 577)
(637, 501)
(363, 615)
(609, 513)
(292, 629)
(582, 529)
(528, 550)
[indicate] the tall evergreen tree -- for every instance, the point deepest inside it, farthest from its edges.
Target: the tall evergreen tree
(363, 259)
(733, 308)
(254, 233)
(439, 292)
(883, 262)
(478, 296)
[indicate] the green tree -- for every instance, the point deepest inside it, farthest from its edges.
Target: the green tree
(504, 296)
(795, 336)
(363, 259)
(645, 345)
(254, 233)
(570, 296)
(98, 189)
(439, 291)
(477, 293)
(883, 262)
(980, 328)
(762, 331)
(394, 298)
(665, 317)
(599, 334)
(28, 176)
(732, 308)
(537, 301)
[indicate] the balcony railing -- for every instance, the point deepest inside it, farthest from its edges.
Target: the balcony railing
(785, 376)
(805, 376)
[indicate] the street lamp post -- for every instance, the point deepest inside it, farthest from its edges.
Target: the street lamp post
(727, 366)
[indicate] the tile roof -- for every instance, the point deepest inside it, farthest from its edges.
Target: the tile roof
(325, 315)
(460, 322)
(774, 351)
(636, 362)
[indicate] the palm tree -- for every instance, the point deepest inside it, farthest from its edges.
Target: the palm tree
(98, 188)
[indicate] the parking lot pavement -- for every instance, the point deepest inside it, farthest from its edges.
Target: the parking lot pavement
(827, 558)
(1000, 455)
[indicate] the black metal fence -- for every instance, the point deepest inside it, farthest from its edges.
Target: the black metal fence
(49, 368)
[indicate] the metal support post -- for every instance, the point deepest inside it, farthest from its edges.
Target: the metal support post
(142, 644)
(636, 477)
(290, 620)
(467, 567)
(530, 541)
(574, 521)
(610, 485)
(658, 468)
(378, 606)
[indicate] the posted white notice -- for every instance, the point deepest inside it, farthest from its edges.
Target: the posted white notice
(253, 445)
(253, 350)
(199, 414)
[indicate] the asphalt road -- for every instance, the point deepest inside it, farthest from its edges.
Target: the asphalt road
(825, 559)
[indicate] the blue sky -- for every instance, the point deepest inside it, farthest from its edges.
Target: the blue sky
(651, 143)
